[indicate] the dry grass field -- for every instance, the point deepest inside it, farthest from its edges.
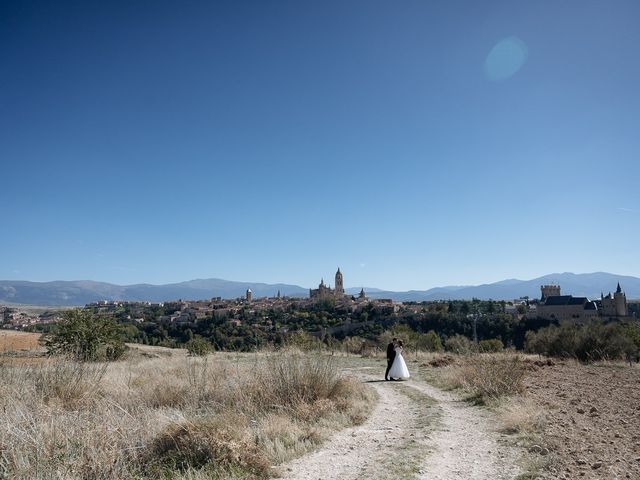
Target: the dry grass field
(14, 341)
(162, 414)
(166, 415)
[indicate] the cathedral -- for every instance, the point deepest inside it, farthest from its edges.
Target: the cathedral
(324, 291)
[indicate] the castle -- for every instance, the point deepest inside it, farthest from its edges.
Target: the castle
(614, 305)
(554, 306)
(324, 291)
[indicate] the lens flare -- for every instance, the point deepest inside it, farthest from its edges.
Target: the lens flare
(505, 59)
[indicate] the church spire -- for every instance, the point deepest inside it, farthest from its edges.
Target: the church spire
(339, 283)
(618, 290)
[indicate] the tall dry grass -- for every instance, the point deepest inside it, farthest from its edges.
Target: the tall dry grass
(172, 417)
(488, 376)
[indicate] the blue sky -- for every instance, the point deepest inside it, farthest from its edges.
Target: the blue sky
(413, 143)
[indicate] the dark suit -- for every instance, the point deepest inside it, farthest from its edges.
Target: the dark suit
(391, 356)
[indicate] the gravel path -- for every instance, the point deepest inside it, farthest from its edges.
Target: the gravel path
(394, 443)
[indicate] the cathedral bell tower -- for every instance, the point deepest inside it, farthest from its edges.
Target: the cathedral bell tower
(339, 284)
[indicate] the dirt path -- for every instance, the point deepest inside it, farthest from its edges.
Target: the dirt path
(415, 431)
(366, 451)
(466, 445)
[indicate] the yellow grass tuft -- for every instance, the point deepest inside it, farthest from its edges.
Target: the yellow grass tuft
(521, 415)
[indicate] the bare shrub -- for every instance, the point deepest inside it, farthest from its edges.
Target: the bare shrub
(490, 376)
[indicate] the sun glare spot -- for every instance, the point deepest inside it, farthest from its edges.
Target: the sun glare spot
(505, 59)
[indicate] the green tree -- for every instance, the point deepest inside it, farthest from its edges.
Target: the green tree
(86, 337)
(430, 341)
(492, 345)
(198, 346)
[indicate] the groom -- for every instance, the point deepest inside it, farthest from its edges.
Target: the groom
(391, 356)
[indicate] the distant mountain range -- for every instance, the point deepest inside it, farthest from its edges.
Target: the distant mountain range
(579, 285)
(87, 291)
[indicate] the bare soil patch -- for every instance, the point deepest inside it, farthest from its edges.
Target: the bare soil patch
(593, 430)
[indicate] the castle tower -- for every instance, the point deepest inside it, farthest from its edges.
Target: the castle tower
(549, 291)
(362, 296)
(620, 302)
(249, 295)
(339, 284)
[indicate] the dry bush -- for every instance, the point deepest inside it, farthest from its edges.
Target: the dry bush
(488, 377)
(285, 381)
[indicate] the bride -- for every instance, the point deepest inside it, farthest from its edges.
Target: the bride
(399, 367)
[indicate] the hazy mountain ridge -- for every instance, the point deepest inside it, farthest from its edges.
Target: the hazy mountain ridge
(87, 291)
(583, 284)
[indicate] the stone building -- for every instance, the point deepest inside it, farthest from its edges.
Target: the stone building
(324, 292)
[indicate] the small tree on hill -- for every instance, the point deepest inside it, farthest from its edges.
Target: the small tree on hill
(86, 337)
(431, 342)
(198, 346)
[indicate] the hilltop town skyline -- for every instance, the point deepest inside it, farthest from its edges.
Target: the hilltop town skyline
(591, 285)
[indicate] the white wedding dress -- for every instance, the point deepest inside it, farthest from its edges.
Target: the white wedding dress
(399, 367)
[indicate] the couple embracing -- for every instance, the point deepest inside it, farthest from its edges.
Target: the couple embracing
(396, 366)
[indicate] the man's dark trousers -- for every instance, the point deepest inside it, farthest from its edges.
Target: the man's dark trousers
(391, 356)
